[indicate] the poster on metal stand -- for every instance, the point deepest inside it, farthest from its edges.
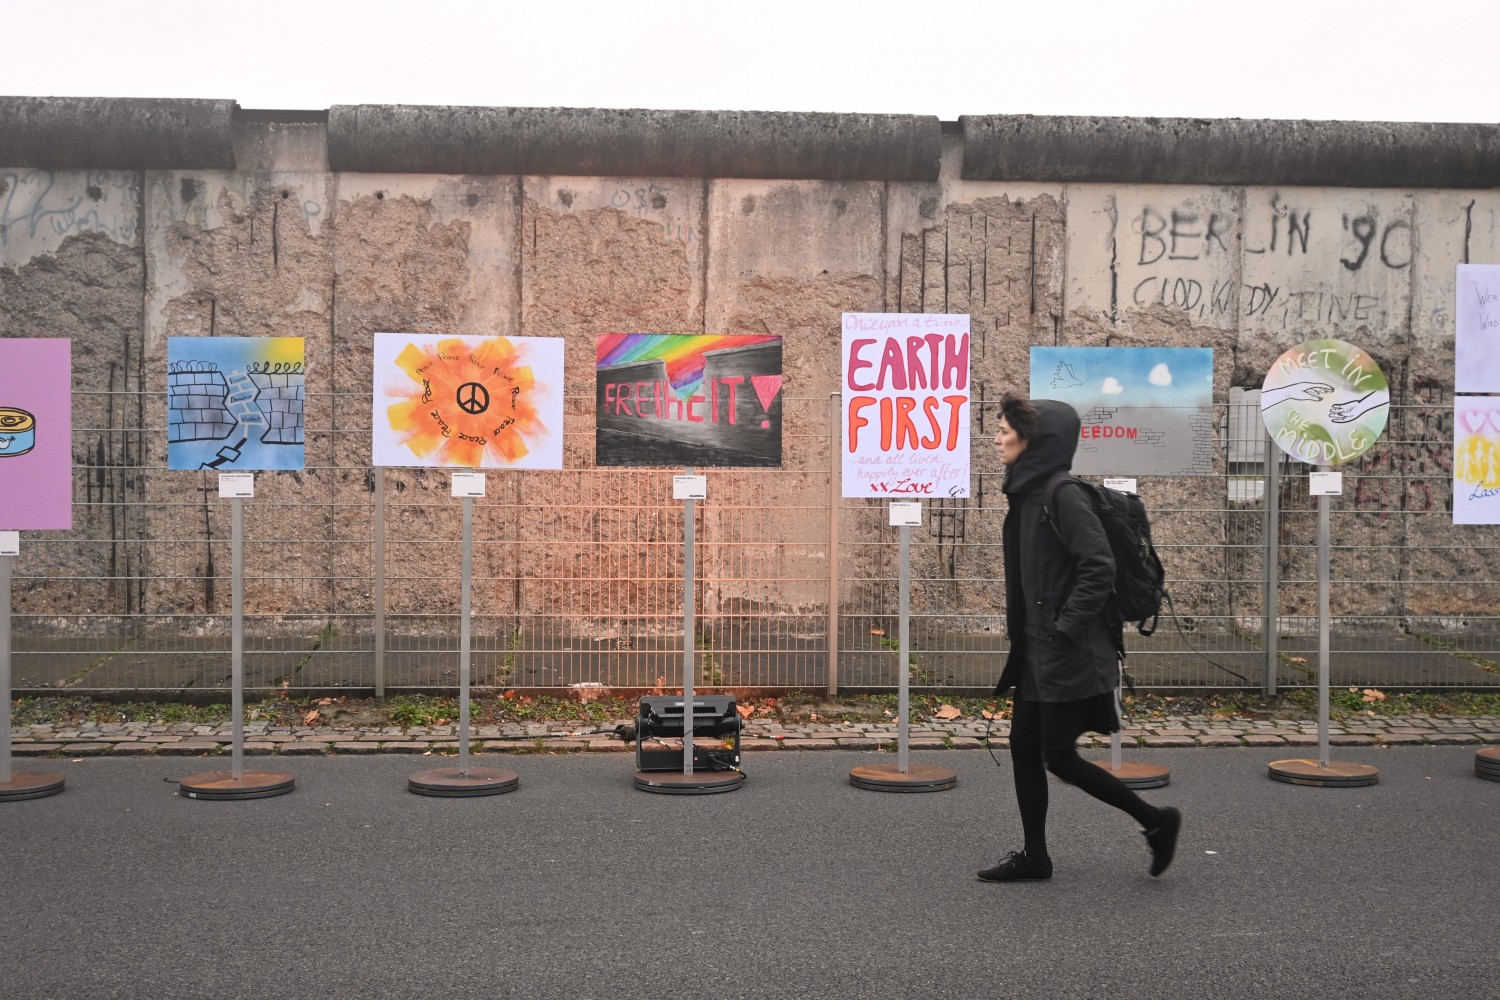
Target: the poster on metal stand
(465, 780)
(36, 493)
(690, 716)
(905, 439)
(1324, 402)
(466, 402)
(236, 783)
(689, 400)
(235, 406)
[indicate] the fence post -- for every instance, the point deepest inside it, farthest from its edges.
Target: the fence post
(1271, 564)
(835, 453)
(379, 556)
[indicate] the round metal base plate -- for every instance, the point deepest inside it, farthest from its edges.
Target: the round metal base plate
(1487, 763)
(697, 783)
(888, 778)
(1335, 774)
(449, 782)
(224, 785)
(29, 785)
(1137, 775)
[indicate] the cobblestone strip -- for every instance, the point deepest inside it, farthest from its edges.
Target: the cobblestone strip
(184, 740)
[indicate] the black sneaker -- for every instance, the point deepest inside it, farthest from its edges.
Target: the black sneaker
(1017, 867)
(1162, 839)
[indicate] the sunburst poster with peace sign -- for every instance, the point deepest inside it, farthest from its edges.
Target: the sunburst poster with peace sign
(470, 402)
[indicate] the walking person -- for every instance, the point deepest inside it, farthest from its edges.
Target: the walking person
(1064, 637)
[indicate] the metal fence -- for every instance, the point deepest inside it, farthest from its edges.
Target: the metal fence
(352, 575)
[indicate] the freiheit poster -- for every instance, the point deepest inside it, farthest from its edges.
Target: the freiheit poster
(236, 404)
(36, 434)
(688, 399)
(1476, 345)
(1145, 410)
(906, 405)
(469, 402)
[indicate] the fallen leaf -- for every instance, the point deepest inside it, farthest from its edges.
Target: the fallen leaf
(745, 710)
(947, 712)
(1297, 659)
(985, 713)
(310, 717)
(1371, 694)
(813, 716)
(877, 631)
(509, 695)
(325, 701)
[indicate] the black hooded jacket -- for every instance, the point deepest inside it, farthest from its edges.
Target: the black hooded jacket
(1057, 589)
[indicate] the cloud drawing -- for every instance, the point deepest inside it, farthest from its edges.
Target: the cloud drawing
(1112, 386)
(1160, 375)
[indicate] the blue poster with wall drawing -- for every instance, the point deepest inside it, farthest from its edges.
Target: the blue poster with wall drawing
(1145, 410)
(235, 403)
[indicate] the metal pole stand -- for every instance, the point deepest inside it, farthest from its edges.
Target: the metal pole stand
(15, 785)
(905, 776)
(688, 487)
(237, 783)
(1133, 773)
(1487, 763)
(1323, 772)
(464, 781)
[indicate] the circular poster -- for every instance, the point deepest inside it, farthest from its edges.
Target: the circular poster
(1325, 402)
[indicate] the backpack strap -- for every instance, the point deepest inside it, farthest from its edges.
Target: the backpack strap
(1049, 500)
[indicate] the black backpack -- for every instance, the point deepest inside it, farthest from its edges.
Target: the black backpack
(1140, 580)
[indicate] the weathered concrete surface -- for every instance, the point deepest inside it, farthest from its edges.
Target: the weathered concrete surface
(1230, 151)
(123, 133)
(119, 260)
(607, 142)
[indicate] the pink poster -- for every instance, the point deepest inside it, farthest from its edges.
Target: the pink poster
(36, 434)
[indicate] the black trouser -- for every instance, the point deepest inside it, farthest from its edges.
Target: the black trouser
(1043, 738)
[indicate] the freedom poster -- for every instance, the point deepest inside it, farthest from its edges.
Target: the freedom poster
(36, 434)
(1145, 410)
(905, 405)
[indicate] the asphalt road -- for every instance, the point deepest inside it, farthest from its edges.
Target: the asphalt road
(795, 886)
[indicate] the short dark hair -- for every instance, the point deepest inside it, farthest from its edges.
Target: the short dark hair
(1020, 414)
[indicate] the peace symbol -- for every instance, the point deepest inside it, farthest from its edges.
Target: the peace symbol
(473, 398)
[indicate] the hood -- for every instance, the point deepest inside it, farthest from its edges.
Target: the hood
(1048, 451)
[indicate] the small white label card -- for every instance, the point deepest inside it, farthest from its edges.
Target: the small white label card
(10, 543)
(906, 513)
(689, 487)
(1121, 484)
(236, 485)
(468, 484)
(1325, 484)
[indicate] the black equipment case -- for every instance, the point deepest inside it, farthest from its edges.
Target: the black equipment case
(716, 733)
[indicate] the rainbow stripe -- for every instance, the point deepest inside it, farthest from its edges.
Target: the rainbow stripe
(682, 352)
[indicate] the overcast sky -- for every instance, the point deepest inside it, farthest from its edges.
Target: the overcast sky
(1376, 60)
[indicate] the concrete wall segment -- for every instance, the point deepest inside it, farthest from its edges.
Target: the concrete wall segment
(64, 133)
(41, 207)
(1230, 151)
(610, 142)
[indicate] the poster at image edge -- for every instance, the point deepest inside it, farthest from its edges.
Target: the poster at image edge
(1476, 340)
(1476, 460)
(36, 434)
